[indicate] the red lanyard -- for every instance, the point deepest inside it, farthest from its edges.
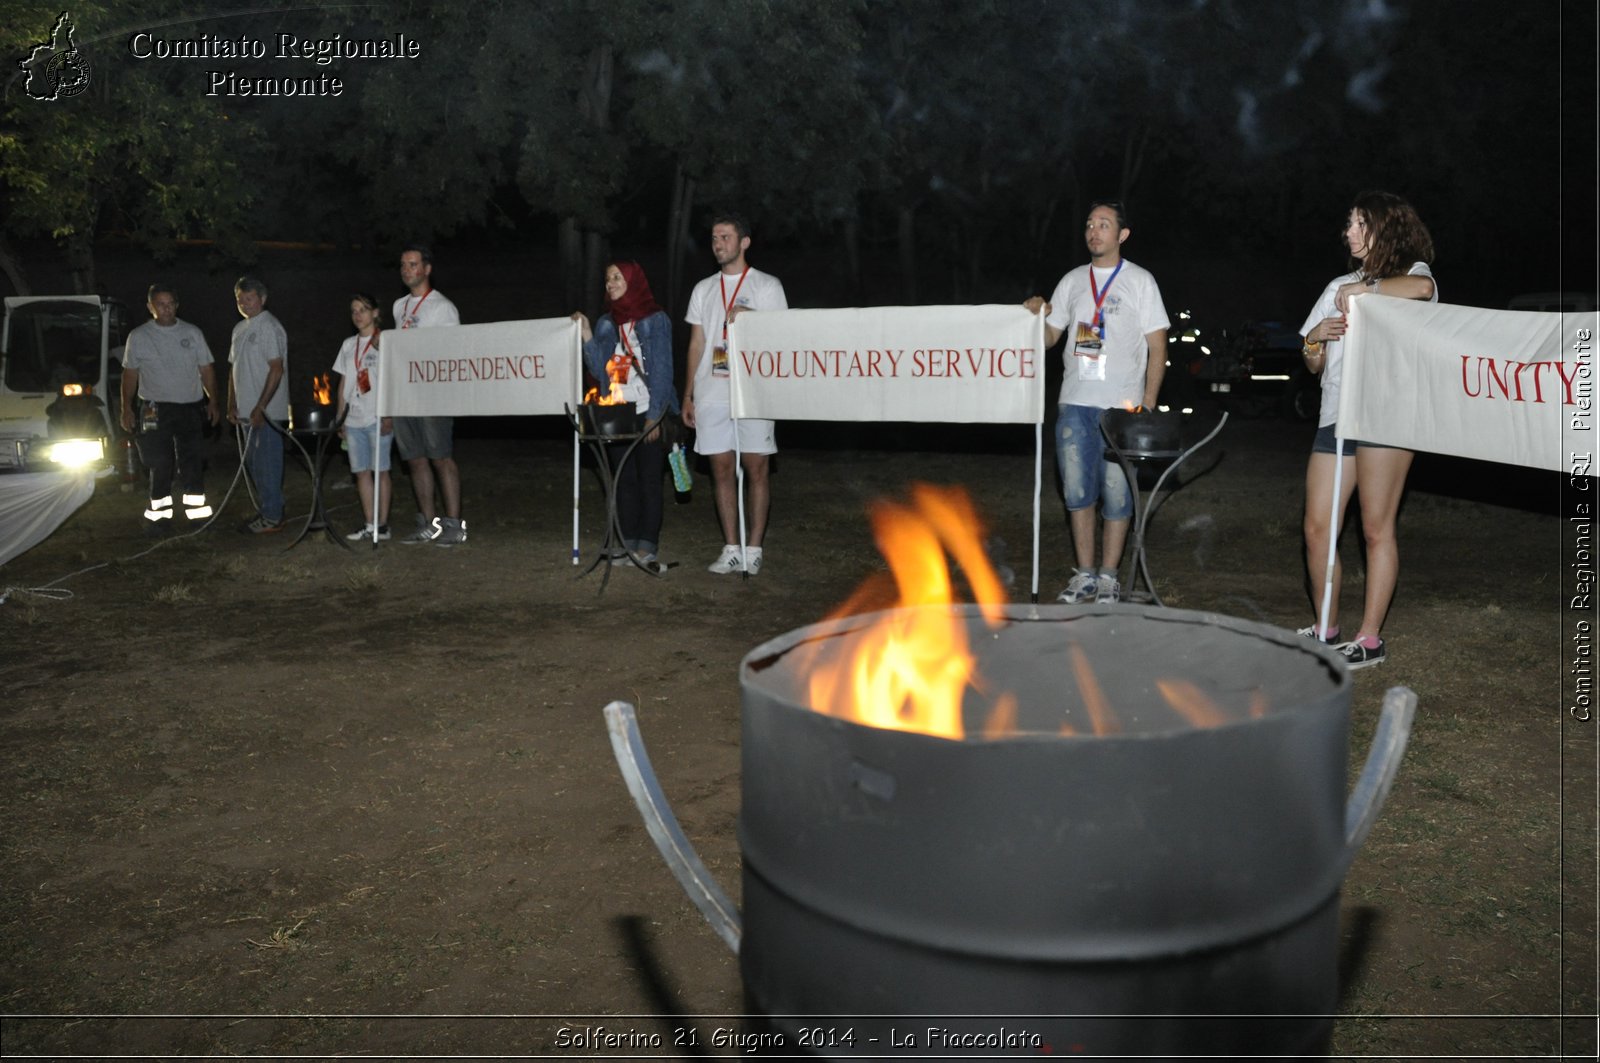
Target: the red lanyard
(372, 341)
(1100, 295)
(727, 303)
(411, 311)
(622, 334)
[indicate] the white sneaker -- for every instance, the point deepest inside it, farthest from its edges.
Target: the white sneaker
(752, 561)
(364, 534)
(727, 562)
(1108, 589)
(1081, 588)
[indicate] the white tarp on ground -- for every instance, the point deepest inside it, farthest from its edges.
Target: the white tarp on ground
(504, 368)
(1498, 385)
(34, 504)
(958, 364)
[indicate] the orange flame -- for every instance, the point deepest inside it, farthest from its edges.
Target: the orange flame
(909, 670)
(322, 389)
(1190, 702)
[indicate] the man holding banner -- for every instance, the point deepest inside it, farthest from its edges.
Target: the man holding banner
(425, 442)
(1115, 357)
(707, 399)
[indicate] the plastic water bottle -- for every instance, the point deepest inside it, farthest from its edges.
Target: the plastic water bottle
(682, 482)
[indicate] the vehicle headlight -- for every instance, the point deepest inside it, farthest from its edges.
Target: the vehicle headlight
(73, 453)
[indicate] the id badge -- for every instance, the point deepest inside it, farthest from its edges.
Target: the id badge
(1088, 352)
(150, 417)
(719, 361)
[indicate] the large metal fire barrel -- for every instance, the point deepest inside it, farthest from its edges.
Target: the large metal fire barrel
(1158, 869)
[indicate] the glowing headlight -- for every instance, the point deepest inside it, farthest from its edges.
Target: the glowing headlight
(74, 453)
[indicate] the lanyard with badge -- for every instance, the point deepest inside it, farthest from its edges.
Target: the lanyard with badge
(364, 358)
(409, 318)
(1090, 342)
(719, 355)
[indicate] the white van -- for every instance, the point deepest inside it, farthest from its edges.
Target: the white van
(60, 365)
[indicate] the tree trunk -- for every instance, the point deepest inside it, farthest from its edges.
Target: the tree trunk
(587, 249)
(80, 261)
(596, 255)
(1133, 152)
(852, 252)
(569, 243)
(11, 266)
(679, 238)
(908, 254)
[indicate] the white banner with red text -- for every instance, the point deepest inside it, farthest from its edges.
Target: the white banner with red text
(500, 368)
(1497, 385)
(957, 364)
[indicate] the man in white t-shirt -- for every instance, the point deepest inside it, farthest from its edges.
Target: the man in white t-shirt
(707, 393)
(1115, 355)
(426, 443)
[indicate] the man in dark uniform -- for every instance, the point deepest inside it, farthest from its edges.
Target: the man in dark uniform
(167, 364)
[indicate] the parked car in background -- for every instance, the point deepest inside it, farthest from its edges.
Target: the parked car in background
(1253, 371)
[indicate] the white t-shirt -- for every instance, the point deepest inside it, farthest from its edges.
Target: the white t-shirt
(1333, 350)
(357, 366)
(426, 311)
(1105, 354)
(708, 308)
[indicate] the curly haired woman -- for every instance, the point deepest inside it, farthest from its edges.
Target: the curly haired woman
(1390, 254)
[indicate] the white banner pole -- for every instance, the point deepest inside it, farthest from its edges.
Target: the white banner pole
(738, 457)
(1038, 466)
(1038, 454)
(577, 445)
(1333, 538)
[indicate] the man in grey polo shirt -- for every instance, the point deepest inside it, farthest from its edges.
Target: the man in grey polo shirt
(167, 364)
(260, 358)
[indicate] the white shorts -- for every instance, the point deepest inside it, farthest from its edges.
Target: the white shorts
(713, 432)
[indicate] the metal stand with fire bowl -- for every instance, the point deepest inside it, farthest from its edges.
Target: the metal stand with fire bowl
(600, 426)
(1155, 439)
(318, 422)
(1147, 862)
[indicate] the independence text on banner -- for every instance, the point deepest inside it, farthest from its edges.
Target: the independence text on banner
(500, 368)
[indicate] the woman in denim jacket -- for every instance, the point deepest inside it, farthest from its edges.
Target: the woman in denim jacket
(630, 348)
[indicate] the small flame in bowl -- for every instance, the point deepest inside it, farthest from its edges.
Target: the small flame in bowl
(322, 389)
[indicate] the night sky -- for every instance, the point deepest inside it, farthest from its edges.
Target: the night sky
(919, 151)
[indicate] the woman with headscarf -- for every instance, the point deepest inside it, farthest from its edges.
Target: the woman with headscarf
(1391, 253)
(629, 348)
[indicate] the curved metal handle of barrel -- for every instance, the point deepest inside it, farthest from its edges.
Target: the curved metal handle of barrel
(1383, 762)
(670, 840)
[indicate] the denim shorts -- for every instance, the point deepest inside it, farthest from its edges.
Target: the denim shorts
(361, 442)
(1087, 476)
(1323, 443)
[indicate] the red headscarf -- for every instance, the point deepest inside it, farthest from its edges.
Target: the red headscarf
(637, 302)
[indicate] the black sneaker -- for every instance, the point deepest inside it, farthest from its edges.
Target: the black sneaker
(261, 526)
(1358, 656)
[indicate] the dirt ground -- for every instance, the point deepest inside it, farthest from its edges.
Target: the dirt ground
(312, 801)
